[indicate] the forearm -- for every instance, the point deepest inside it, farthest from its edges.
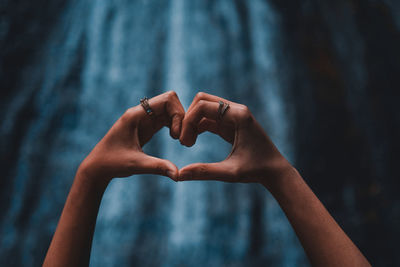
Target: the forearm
(324, 242)
(72, 240)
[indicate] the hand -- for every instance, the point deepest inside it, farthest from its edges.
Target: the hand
(120, 154)
(253, 158)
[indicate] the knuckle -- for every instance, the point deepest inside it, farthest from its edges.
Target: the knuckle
(244, 109)
(178, 116)
(235, 172)
(199, 95)
(201, 104)
(128, 115)
(244, 114)
(172, 94)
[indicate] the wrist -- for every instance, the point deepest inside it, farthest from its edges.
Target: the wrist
(87, 175)
(278, 175)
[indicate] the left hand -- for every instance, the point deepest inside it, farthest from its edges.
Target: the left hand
(120, 154)
(253, 158)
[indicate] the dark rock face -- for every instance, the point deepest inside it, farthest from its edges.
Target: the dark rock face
(322, 78)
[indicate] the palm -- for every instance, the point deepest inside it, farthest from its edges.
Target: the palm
(252, 151)
(120, 154)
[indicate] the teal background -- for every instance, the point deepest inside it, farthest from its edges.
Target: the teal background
(322, 77)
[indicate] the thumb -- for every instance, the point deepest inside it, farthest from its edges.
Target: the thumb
(153, 165)
(207, 171)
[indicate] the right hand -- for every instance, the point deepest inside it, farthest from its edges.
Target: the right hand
(253, 158)
(120, 154)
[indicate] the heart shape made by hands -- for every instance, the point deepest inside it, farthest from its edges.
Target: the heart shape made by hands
(120, 154)
(231, 121)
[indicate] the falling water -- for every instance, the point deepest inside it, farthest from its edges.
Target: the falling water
(80, 64)
(186, 228)
(111, 58)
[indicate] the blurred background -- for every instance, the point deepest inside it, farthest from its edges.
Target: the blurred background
(322, 77)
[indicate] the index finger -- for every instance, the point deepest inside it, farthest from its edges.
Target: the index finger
(208, 97)
(167, 111)
(203, 109)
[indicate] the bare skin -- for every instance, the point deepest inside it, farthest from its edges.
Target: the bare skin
(253, 158)
(118, 154)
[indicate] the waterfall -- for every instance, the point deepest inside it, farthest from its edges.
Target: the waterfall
(321, 78)
(100, 59)
(184, 228)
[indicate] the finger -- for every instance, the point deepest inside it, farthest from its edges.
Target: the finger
(154, 165)
(168, 111)
(220, 171)
(214, 127)
(191, 121)
(173, 108)
(176, 121)
(204, 96)
(207, 125)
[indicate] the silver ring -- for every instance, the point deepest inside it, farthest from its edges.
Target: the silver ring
(144, 102)
(223, 107)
